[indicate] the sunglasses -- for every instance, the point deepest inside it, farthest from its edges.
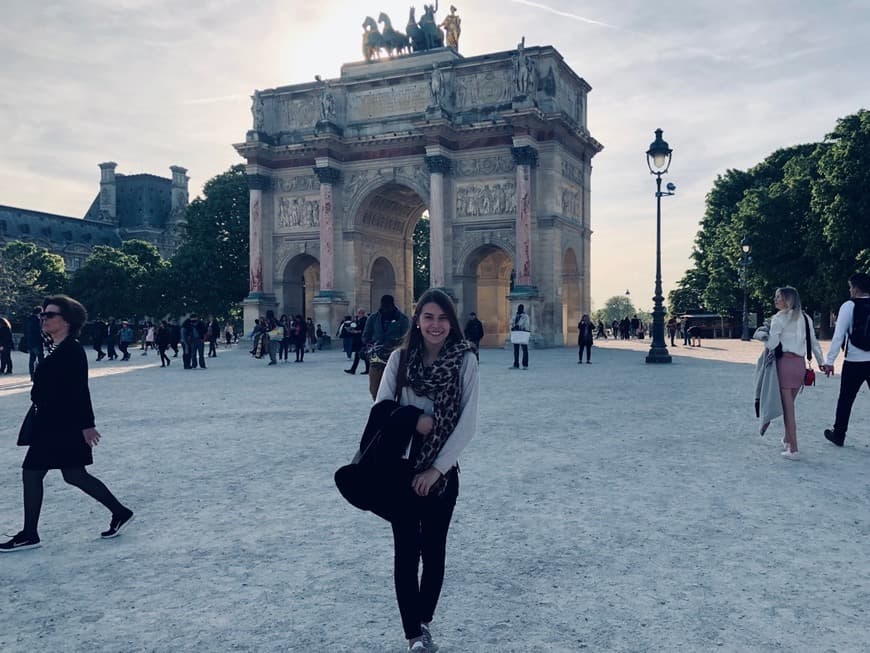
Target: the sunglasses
(48, 314)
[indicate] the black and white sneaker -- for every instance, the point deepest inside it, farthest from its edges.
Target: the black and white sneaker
(427, 638)
(118, 522)
(20, 542)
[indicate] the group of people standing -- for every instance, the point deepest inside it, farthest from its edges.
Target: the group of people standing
(277, 336)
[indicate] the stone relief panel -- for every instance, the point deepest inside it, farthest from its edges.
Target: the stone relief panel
(292, 212)
(483, 89)
(297, 112)
(298, 184)
(572, 203)
(572, 172)
(486, 166)
(486, 199)
(383, 102)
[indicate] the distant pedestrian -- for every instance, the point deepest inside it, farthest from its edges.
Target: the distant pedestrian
(672, 330)
(686, 336)
(163, 337)
(299, 335)
(584, 337)
(614, 329)
(7, 344)
(520, 330)
(853, 331)
(791, 337)
(344, 332)
(112, 329)
(356, 329)
(100, 335)
(62, 433)
(125, 339)
(33, 338)
(228, 333)
(214, 334)
(311, 334)
(601, 332)
(384, 331)
(474, 332)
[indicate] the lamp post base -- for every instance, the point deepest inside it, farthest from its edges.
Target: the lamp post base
(658, 355)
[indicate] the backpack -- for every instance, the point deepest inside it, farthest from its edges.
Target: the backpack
(859, 334)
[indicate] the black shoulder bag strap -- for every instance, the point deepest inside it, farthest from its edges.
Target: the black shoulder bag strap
(809, 337)
(401, 374)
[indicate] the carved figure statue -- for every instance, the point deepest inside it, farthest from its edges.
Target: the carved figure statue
(372, 39)
(433, 36)
(393, 40)
(257, 111)
(327, 105)
(436, 86)
(452, 28)
(524, 71)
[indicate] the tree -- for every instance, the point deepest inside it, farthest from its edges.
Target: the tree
(27, 274)
(421, 256)
(210, 271)
(615, 308)
(107, 283)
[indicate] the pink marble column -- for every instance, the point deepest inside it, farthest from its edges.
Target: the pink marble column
(327, 176)
(438, 167)
(257, 184)
(525, 158)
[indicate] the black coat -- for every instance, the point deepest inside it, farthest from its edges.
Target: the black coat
(585, 333)
(63, 404)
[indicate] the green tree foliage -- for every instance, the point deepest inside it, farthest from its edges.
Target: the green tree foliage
(109, 283)
(27, 274)
(210, 270)
(615, 308)
(805, 210)
(421, 256)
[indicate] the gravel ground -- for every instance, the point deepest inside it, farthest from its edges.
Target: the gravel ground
(616, 506)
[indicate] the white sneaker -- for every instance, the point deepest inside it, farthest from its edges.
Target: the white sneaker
(431, 646)
(791, 455)
(784, 444)
(418, 647)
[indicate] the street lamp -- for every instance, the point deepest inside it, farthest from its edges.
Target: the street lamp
(745, 261)
(658, 158)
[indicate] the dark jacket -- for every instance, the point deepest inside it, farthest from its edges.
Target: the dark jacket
(585, 333)
(63, 404)
(474, 330)
(357, 334)
(33, 332)
(6, 337)
(378, 479)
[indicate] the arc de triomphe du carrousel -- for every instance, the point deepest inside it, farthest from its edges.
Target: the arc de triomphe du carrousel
(494, 147)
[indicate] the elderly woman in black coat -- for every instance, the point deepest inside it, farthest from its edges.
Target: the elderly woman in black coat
(62, 431)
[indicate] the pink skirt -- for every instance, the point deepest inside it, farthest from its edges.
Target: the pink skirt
(790, 369)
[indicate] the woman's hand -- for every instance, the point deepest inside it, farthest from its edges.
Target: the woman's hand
(425, 424)
(424, 481)
(91, 436)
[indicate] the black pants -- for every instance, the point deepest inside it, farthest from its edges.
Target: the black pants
(588, 347)
(212, 349)
(6, 360)
(77, 476)
(517, 355)
(853, 377)
(421, 533)
(284, 349)
(123, 347)
(110, 349)
(164, 359)
(356, 359)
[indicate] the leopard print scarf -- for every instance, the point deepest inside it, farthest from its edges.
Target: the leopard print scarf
(442, 383)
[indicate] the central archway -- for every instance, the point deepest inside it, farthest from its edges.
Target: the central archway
(383, 230)
(485, 291)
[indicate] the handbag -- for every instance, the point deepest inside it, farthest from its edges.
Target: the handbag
(520, 337)
(25, 433)
(809, 374)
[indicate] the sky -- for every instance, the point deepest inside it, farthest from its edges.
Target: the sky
(154, 83)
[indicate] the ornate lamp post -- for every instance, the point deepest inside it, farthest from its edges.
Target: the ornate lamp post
(658, 158)
(745, 261)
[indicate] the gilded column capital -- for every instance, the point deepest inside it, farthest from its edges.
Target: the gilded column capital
(327, 174)
(439, 163)
(525, 155)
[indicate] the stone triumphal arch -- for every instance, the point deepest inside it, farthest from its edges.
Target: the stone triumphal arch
(495, 148)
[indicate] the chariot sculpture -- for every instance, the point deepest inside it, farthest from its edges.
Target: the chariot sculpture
(418, 37)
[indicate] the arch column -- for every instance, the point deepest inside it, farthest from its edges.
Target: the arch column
(525, 292)
(439, 166)
(258, 300)
(329, 304)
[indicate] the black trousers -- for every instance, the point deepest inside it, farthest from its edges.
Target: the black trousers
(6, 360)
(420, 533)
(517, 355)
(587, 346)
(357, 357)
(853, 377)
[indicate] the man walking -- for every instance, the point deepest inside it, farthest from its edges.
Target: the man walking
(33, 337)
(853, 328)
(474, 332)
(356, 329)
(383, 333)
(101, 332)
(111, 338)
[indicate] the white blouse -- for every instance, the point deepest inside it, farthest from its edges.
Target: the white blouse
(792, 335)
(467, 424)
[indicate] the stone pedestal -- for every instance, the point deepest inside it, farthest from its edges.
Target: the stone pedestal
(330, 307)
(255, 306)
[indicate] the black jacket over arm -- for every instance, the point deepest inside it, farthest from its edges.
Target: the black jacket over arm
(63, 404)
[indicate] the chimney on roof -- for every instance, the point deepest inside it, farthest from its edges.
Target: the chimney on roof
(108, 192)
(179, 192)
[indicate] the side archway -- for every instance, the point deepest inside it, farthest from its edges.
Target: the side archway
(571, 310)
(485, 290)
(383, 282)
(301, 283)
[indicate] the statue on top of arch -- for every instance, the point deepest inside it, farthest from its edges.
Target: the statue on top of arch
(419, 37)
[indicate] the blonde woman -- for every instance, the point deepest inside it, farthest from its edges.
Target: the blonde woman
(789, 330)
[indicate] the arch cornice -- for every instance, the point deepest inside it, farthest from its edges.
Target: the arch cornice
(417, 181)
(501, 238)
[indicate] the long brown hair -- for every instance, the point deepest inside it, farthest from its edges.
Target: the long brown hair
(413, 339)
